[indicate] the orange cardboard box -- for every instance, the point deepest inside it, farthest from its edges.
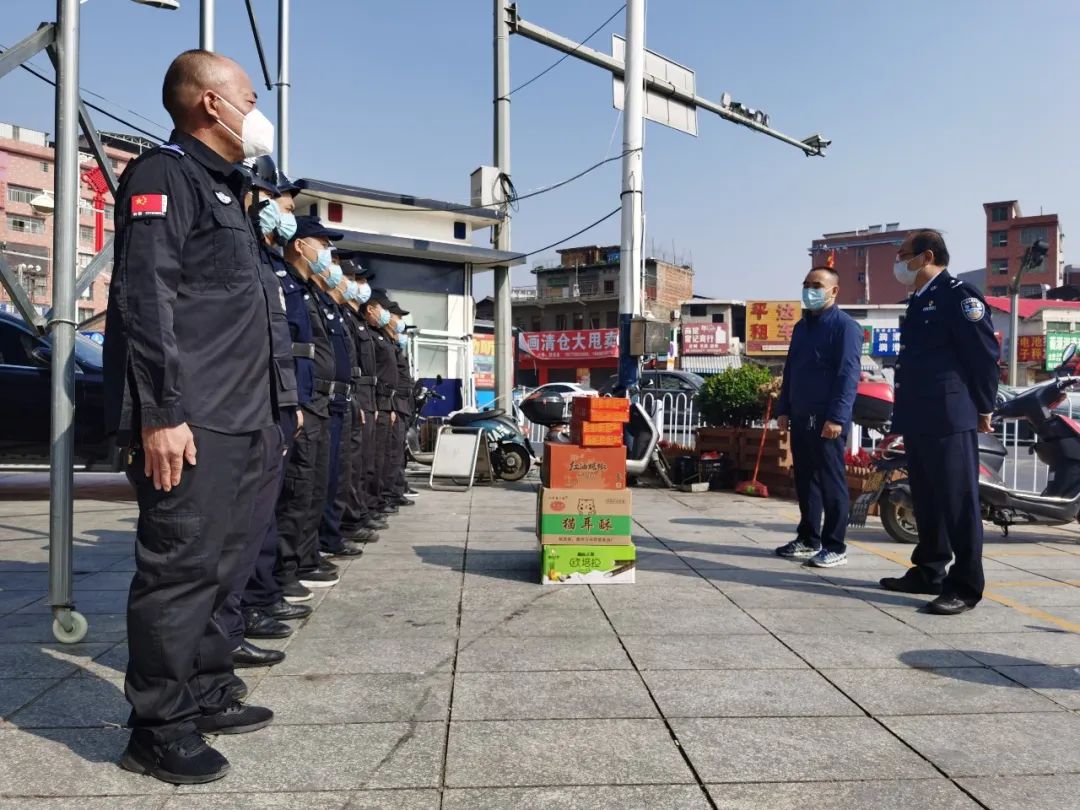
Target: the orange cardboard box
(601, 409)
(570, 466)
(596, 434)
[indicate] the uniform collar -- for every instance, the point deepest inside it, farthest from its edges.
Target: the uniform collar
(203, 153)
(943, 274)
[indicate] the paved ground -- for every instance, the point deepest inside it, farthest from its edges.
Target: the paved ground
(438, 675)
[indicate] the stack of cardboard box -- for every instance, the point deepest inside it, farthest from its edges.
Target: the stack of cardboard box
(583, 514)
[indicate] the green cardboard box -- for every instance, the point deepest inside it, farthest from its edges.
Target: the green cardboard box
(584, 516)
(587, 565)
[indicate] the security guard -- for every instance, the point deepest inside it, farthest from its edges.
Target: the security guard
(386, 369)
(403, 406)
(946, 383)
(188, 383)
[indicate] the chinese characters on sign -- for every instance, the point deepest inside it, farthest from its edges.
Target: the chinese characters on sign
(867, 339)
(1031, 348)
(704, 338)
(484, 361)
(1056, 342)
(886, 342)
(769, 325)
(573, 344)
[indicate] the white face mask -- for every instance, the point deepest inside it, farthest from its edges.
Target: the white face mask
(256, 133)
(903, 274)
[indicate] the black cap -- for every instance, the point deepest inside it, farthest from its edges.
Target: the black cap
(353, 269)
(287, 186)
(257, 181)
(308, 226)
(395, 309)
(381, 298)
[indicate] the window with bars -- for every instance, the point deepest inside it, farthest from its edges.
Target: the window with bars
(21, 194)
(110, 211)
(86, 234)
(21, 224)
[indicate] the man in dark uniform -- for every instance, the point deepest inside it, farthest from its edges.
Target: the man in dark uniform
(403, 406)
(188, 384)
(386, 369)
(946, 383)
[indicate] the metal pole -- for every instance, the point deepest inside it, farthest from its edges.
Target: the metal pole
(1014, 327)
(504, 356)
(62, 323)
(206, 25)
(630, 258)
(283, 88)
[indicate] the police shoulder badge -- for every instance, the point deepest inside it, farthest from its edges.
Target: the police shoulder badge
(973, 309)
(225, 198)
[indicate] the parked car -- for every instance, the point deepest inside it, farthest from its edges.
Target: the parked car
(660, 382)
(25, 398)
(567, 390)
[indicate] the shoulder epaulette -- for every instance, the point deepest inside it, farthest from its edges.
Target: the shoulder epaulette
(172, 149)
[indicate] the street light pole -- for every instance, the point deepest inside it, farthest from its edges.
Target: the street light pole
(504, 355)
(62, 322)
(1033, 257)
(630, 254)
(283, 88)
(206, 25)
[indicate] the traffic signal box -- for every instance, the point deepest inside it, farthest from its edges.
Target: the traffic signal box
(583, 512)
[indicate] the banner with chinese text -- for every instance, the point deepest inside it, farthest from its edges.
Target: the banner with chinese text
(483, 348)
(704, 339)
(1031, 349)
(886, 342)
(769, 325)
(572, 344)
(1055, 345)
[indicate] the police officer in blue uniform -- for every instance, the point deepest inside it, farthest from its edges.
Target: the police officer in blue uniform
(946, 383)
(378, 316)
(188, 385)
(403, 405)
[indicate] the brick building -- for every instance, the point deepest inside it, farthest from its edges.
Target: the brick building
(864, 261)
(27, 168)
(582, 291)
(1008, 235)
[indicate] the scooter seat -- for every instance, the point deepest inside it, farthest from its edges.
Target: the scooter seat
(466, 419)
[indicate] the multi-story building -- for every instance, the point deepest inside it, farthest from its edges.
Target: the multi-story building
(1008, 236)
(864, 260)
(27, 167)
(582, 291)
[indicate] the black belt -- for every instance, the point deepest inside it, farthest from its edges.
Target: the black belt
(333, 388)
(304, 350)
(358, 378)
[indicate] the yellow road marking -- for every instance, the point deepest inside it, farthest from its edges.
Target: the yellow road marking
(1027, 553)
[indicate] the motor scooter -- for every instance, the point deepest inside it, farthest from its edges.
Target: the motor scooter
(1057, 444)
(509, 448)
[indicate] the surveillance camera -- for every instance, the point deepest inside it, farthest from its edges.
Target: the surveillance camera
(817, 142)
(725, 100)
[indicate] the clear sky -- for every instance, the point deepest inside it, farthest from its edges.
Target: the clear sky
(933, 107)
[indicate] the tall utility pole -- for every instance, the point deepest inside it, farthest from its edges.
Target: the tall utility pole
(62, 321)
(1033, 257)
(630, 254)
(504, 348)
(206, 25)
(283, 88)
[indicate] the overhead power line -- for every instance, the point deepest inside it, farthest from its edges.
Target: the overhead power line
(564, 240)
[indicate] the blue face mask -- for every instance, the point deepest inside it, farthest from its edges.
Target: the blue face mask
(335, 276)
(814, 299)
(363, 294)
(384, 317)
(400, 327)
(403, 341)
(322, 261)
(269, 218)
(286, 227)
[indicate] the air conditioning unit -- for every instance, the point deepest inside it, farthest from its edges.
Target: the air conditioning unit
(676, 314)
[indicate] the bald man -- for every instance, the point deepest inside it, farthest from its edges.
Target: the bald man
(188, 391)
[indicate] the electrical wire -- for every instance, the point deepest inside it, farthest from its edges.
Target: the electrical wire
(566, 56)
(564, 240)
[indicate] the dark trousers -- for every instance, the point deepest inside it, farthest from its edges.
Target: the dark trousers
(353, 496)
(383, 436)
(338, 475)
(189, 548)
(944, 475)
(262, 589)
(309, 544)
(294, 505)
(821, 484)
(396, 474)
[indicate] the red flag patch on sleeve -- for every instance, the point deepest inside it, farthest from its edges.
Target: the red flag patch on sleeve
(149, 205)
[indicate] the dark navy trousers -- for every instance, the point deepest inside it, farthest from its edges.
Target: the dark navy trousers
(338, 474)
(821, 484)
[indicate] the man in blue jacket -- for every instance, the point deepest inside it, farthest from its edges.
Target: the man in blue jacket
(816, 400)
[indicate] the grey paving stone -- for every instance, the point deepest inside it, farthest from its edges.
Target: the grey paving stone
(987, 618)
(13, 600)
(480, 558)
(17, 692)
(649, 597)
(710, 652)
(607, 797)
(105, 581)
(716, 619)
(1060, 684)
(551, 696)
(110, 664)
(85, 803)
(1006, 744)
(86, 602)
(875, 650)
(960, 690)
(497, 654)
(903, 794)
(370, 698)
(796, 749)
(1056, 595)
(80, 762)
(330, 800)
(527, 622)
(46, 660)
(857, 618)
(349, 656)
(37, 581)
(747, 693)
(394, 800)
(554, 752)
(77, 703)
(509, 596)
(340, 619)
(37, 628)
(341, 757)
(367, 595)
(1028, 792)
(1015, 649)
(818, 595)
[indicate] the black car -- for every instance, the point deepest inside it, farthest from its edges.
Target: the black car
(659, 382)
(25, 398)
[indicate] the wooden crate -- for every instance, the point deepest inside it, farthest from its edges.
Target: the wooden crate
(719, 440)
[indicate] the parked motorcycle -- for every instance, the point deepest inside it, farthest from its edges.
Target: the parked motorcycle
(509, 448)
(1057, 444)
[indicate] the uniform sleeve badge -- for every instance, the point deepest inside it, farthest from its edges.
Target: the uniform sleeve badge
(973, 309)
(149, 205)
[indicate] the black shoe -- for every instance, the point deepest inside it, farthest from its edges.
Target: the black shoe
(909, 584)
(237, 690)
(377, 523)
(348, 550)
(187, 761)
(403, 501)
(284, 611)
(390, 509)
(236, 718)
(258, 624)
(948, 606)
(248, 655)
(318, 578)
(327, 567)
(364, 536)
(295, 592)
(411, 493)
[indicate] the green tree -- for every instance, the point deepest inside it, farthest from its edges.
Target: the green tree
(733, 398)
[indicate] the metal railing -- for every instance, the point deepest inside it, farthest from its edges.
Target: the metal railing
(675, 415)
